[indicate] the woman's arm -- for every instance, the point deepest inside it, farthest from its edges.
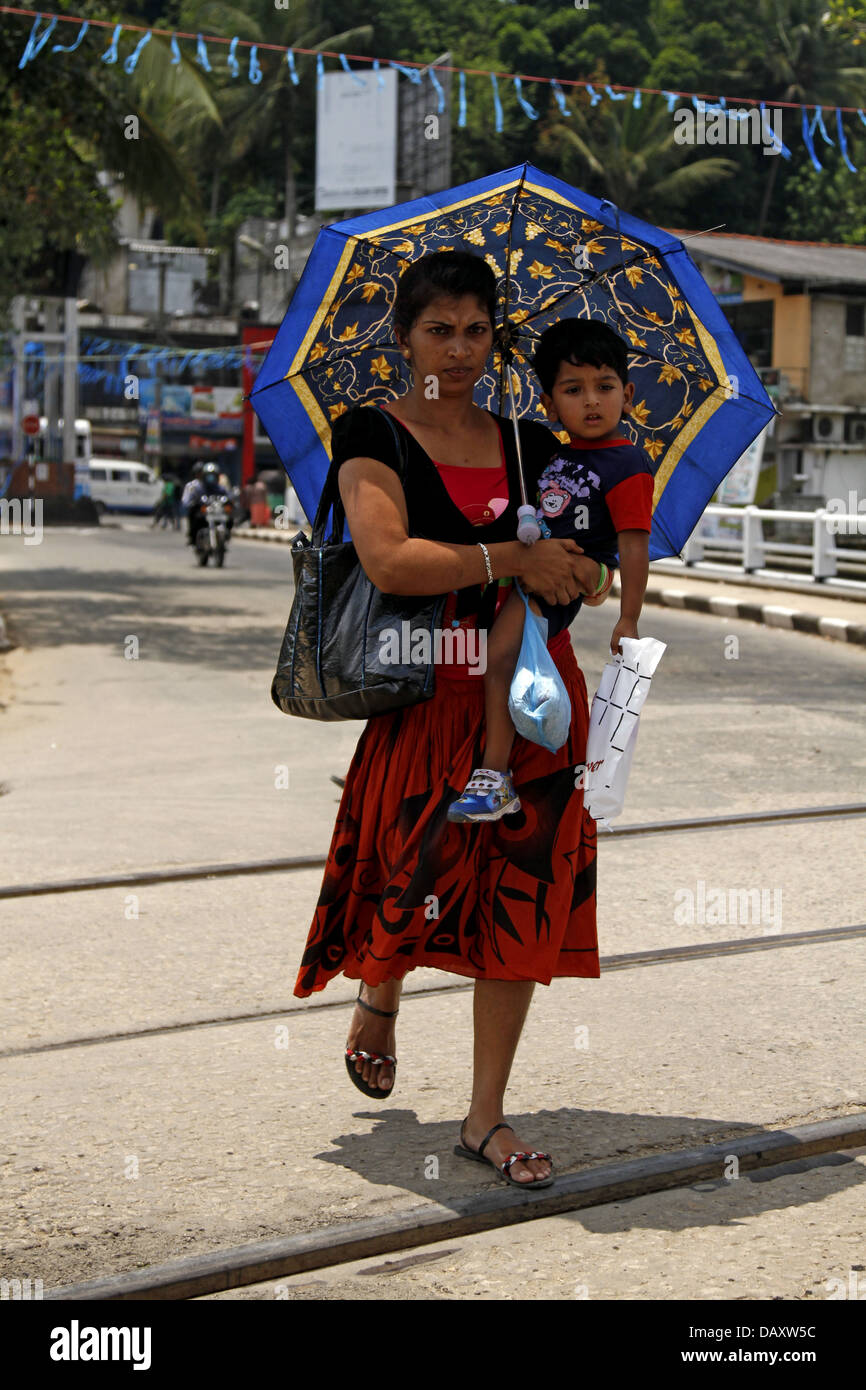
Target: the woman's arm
(398, 563)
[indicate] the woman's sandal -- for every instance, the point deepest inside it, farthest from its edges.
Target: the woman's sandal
(353, 1054)
(504, 1168)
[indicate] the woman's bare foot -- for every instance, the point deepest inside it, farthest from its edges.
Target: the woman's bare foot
(370, 1033)
(504, 1143)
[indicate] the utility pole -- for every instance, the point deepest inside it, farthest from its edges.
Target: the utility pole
(70, 383)
(157, 385)
(17, 379)
(60, 392)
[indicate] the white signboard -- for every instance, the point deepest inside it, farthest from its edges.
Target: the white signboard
(738, 488)
(356, 141)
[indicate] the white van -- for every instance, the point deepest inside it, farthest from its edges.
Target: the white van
(121, 485)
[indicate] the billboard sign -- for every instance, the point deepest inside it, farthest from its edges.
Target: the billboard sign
(356, 141)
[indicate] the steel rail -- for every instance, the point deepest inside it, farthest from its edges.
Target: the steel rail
(141, 877)
(199, 1275)
(631, 960)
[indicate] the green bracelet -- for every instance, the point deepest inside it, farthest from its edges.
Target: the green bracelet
(602, 578)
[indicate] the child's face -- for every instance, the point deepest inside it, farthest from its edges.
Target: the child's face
(588, 401)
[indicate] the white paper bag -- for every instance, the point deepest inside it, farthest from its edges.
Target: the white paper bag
(613, 725)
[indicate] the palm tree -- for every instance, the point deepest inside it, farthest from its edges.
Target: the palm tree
(173, 103)
(805, 58)
(66, 123)
(631, 156)
(253, 114)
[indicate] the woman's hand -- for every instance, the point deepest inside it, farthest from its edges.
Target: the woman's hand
(558, 570)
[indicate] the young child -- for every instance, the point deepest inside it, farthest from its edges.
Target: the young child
(598, 491)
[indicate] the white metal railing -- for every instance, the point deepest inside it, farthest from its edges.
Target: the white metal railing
(752, 548)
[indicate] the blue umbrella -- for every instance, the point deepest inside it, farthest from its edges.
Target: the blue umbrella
(556, 253)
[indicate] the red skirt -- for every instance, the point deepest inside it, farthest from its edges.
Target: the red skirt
(512, 899)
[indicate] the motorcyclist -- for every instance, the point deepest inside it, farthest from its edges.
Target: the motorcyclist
(206, 485)
(192, 489)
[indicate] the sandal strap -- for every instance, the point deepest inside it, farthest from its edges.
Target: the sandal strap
(383, 1013)
(354, 1053)
(523, 1158)
(483, 1145)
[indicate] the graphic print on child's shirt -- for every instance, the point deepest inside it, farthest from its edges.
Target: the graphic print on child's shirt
(589, 494)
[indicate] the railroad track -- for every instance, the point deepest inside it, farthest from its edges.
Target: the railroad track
(139, 877)
(430, 1224)
(630, 960)
(199, 1275)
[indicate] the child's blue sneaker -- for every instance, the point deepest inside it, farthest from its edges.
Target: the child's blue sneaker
(488, 795)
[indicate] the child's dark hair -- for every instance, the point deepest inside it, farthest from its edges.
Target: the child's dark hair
(583, 342)
(443, 272)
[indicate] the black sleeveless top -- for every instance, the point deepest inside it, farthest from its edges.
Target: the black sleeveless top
(363, 433)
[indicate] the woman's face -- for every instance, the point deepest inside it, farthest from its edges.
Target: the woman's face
(450, 341)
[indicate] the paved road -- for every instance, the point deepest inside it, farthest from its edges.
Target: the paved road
(172, 758)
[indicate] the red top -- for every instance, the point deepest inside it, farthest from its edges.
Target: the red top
(482, 495)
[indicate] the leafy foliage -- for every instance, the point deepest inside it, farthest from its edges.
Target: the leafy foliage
(213, 149)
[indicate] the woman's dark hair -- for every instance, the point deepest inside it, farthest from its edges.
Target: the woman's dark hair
(443, 272)
(583, 342)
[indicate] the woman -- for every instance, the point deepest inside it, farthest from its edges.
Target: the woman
(512, 902)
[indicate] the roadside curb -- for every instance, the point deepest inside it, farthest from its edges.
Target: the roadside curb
(267, 533)
(717, 605)
(769, 614)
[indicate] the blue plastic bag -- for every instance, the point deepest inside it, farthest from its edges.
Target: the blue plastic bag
(538, 700)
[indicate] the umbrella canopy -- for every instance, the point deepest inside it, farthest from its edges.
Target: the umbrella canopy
(556, 253)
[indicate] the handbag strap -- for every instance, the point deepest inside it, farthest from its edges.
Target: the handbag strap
(330, 496)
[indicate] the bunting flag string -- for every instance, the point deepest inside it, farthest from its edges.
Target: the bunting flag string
(71, 47)
(809, 143)
(560, 99)
(98, 360)
(414, 72)
(439, 89)
(497, 104)
(843, 146)
(110, 54)
(129, 65)
(201, 55)
(35, 45)
(819, 122)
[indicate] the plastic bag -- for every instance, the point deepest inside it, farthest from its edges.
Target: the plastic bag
(613, 724)
(538, 700)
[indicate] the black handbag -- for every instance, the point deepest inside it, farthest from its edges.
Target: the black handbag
(348, 648)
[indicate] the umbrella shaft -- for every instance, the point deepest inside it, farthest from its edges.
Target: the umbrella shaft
(523, 498)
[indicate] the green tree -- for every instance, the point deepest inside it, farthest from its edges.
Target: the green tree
(629, 155)
(67, 120)
(257, 115)
(806, 58)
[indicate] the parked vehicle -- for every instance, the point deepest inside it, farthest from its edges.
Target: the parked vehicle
(122, 485)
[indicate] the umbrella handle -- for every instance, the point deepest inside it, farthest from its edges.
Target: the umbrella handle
(528, 529)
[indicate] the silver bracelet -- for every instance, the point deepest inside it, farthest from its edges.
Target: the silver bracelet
(486, 561)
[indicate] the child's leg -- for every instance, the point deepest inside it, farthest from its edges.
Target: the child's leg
(503, 649)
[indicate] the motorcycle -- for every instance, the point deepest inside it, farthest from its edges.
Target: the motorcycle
(213, 535)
